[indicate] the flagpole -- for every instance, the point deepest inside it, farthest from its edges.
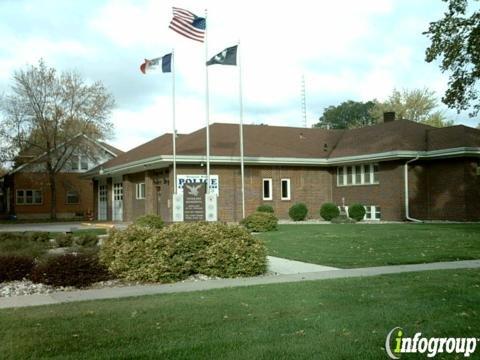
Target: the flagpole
(174, 135)
(207, 110)
(240, 92)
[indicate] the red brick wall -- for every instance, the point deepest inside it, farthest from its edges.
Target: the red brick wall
(308, 184)
(388, 194)
(39, 181)
(472, 189)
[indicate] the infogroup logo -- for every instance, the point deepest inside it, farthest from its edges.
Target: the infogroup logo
(397, 343)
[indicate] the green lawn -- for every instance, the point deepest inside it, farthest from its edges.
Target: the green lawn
(361, 245)
(330, 319)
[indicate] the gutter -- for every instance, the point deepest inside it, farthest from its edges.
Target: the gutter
(407, 205)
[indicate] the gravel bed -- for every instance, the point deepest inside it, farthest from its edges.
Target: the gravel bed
(26, 287)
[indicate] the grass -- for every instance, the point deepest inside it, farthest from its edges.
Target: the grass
(330, 319)
(362, 245)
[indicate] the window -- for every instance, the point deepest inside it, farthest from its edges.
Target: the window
(357, 175)
(285, 189)
(340, 176)
(29, 197)
(372, 212)
(83, 163)
(78, 162)
(74, 162)
(267, 189)
(140, 191)
(72, 197)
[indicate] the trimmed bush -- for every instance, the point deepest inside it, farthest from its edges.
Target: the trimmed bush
(150, 221)
(64, 240)
(15, 267)
(21, 245)
(265, 208)
(77, 270)
(181, 250)
(87, 240)
(39, 236)
(356, 212)
(298, 212)
(260, 222)
(329, 211)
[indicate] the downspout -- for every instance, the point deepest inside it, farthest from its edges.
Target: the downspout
(407, 206)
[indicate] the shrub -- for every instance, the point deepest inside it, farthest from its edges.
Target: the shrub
(181, 250)
(298, 212)
(87, 240)
(64, 240)
(15, 267)
(39, 236)
(260, 222)
(77, 270)
(329, 211)
(356, 211)
(21, 245)
(265, 208)
(150, 221)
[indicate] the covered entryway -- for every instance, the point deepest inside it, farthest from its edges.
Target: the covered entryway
(117, 203)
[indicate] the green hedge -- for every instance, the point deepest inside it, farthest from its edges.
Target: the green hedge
(260, 222)
(356, 212)
(150, 221)
(183, 249)
(329, 211)
(298, 212)
(265, 208)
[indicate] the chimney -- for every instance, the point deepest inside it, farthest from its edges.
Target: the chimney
(388, 116)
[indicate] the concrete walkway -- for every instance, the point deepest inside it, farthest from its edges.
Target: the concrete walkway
(188, 286)
(285, 266)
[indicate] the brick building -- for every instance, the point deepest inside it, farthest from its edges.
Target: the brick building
(376, 166)
(25, 191)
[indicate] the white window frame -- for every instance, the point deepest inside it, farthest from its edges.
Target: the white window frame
(270, 187)
(140, 191)
(366, 176)
(288, 197)
(372, 211)
(24, 196)
(76, 162)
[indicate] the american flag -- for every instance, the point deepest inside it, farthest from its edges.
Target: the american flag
(188, 24)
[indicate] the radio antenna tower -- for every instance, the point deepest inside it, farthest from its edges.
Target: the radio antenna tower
(303, 102)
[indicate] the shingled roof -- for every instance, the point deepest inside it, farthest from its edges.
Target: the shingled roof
(289, 142)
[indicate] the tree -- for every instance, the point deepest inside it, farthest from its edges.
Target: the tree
(417, 105)
(49, 113)
(455, 40)
(349, 114)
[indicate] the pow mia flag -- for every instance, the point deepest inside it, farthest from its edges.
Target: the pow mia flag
(226, 57)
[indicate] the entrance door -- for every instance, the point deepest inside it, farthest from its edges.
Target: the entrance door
(102, 202)
(117, 211)
(163, 207)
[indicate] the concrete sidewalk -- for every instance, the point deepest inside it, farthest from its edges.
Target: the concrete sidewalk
(285, 266)
(119, 292)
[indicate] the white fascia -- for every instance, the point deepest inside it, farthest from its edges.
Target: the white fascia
(164, 160)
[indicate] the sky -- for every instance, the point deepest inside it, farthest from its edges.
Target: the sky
(344, 49)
